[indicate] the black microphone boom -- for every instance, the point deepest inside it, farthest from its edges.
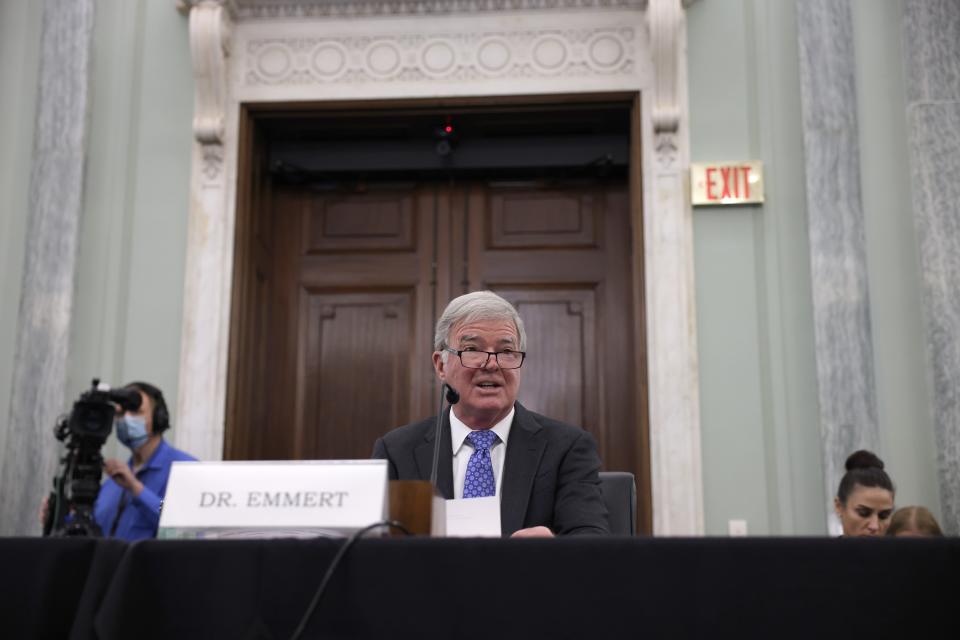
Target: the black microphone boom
(452, 397)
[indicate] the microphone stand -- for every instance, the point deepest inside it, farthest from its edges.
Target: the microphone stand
(412, 501)
(452, 397)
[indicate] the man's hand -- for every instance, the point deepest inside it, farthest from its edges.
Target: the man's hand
(122, 475)
(533, 532)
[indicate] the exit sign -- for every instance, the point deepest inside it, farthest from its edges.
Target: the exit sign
(726, 183)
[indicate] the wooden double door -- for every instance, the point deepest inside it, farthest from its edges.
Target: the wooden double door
(334, 326)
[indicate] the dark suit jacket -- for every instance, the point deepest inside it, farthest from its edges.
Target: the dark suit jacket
(550, 473)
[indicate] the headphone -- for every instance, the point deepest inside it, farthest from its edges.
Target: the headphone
(161, 415)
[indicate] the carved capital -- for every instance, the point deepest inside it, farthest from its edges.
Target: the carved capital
(209, 45)
(184, 6)
(668, 150)
(665, 19)
(211, 168)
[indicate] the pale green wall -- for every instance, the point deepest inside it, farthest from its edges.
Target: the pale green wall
(128, 305)
(20, 24)
(761, 448)
(759, 412)
(128, 302)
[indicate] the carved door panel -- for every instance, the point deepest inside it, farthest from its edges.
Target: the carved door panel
(561, 254)
(349, 311)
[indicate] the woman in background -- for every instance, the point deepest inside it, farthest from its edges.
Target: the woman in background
(864, 501)
(914, 521)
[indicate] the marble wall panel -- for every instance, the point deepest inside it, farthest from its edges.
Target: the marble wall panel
(931, 36)
(844, 352)
(56, 183)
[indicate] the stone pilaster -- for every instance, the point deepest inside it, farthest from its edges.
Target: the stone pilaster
(841, 305)
(931, 40)
(43, 334)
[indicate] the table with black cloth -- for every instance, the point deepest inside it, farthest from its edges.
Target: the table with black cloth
(480, 588)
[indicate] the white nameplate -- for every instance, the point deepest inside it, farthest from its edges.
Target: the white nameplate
(273, 499)
(473, 518)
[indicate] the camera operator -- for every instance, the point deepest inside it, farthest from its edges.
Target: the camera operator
(128, 504)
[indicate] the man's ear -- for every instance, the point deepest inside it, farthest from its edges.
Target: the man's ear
(439, 365)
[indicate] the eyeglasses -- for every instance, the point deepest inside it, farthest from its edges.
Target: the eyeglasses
(478, 359)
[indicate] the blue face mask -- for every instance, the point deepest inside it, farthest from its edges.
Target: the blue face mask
(132, 431)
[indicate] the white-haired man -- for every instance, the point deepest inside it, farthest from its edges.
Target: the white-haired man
(545, 472)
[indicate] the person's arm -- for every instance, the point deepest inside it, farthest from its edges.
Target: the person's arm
(147, 503)
(579, 508)
(145, 499)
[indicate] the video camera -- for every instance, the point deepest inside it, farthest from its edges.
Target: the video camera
(84, 430)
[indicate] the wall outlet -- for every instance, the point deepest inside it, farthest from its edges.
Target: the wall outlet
(737, 528)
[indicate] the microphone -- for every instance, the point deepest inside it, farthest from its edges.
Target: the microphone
(452, 397)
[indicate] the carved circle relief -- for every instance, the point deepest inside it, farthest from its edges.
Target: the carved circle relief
(274, 61)
(437, 58)
(550, 53)
(493, 55)
(606, 51)
(382, 59)
(329, 60)
(300, 9)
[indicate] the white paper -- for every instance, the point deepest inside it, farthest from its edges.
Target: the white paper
(438, 518)
(473, 518)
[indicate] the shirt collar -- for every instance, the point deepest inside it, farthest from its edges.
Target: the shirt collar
(158, 459)
(459, 431)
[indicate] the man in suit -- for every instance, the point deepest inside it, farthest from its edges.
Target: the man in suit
(545, 472)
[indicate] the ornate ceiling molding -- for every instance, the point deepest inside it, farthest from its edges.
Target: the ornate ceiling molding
(285, 9)
(440, 56)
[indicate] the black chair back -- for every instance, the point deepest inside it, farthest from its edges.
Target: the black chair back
(620, 495)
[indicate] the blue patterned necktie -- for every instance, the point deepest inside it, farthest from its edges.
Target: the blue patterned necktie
(479, 481)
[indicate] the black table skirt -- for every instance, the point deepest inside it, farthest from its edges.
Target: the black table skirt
(424, 588)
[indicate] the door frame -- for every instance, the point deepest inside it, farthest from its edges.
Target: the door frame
(263, 53)
(252, 180)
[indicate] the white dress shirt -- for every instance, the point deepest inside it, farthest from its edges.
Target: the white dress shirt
(463, 449)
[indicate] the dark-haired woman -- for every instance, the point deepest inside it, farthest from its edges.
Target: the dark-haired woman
(864, 501)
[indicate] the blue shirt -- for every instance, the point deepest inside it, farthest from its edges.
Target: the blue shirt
(140, 515)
